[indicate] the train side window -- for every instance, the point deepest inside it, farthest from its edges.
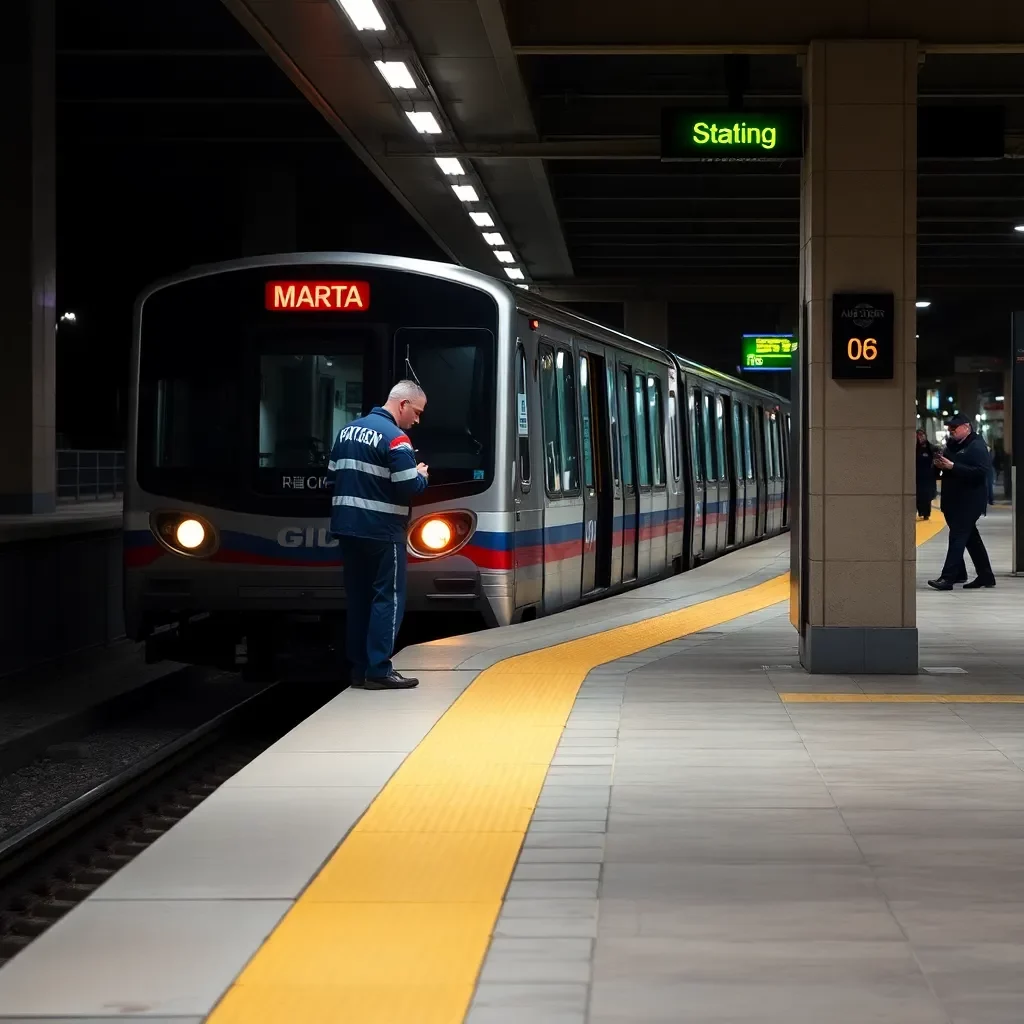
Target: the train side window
(748, 447)
(643, 462)
(695, 446)
(768, 446)
(522, 421)
(549, 417)
(737, 445)
(673, 434)
(657, 425)
(710, 463)
(613, 421)
(566, 381)
(625, 428)
(587, 438)
(720, 437)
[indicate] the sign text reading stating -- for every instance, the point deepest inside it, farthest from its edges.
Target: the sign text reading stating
(318, 296)
(731, 135)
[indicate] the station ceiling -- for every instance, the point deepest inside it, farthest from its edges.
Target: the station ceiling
(562, 144)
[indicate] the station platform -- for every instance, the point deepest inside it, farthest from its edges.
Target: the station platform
(640, 810)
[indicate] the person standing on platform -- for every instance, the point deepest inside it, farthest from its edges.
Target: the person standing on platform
(927, 474)
(964, 464)
(374, 476)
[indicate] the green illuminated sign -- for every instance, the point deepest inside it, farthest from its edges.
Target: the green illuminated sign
(764, 352)
(731, 135)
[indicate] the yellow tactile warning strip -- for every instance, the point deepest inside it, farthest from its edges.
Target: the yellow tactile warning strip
(394, 928)
(396, 924)
(902, 698)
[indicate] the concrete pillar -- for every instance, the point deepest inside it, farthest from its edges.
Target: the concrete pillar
(27, 259)
(268, 210)
(855, 603)
(647, 321)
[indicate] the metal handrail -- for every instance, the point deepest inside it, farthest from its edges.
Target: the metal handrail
(89, 475)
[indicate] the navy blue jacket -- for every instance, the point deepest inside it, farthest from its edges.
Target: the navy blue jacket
(373, 478)
(965, 486)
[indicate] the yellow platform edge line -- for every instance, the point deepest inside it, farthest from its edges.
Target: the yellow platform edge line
(394, 927)
(378, 937)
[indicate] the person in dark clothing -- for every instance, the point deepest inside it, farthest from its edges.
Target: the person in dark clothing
(374, 477)
(927, 474)
(964, 464)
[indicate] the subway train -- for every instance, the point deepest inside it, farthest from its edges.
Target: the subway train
(567, 460)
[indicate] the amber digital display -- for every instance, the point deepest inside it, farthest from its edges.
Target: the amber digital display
(862, 336)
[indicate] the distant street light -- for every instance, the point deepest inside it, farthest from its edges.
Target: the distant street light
(68, 318)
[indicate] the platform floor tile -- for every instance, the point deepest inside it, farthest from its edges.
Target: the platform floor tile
(152, 958)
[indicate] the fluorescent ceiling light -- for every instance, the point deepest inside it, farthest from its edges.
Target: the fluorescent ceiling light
(466, 193)
(525, 287)
(364, 15)
(504, 256)
(922, 303)
(481, 219)
(395, 73)
(1019, 227)
(449, 165)
(424, 122)
(515, 273)
(493, 238)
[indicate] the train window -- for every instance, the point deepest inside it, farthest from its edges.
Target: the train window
(748, 447)
(305, 399)
(625, 429)
(586, 439)
(777, 441)
(710, 462)
(737, 446)
(695, 433)
(673, 433)
(613, 420)
(549, 418)
(657, 427)
(643, 463)
(522, 421)
(720, 437)
(768, 445)
(567, 432)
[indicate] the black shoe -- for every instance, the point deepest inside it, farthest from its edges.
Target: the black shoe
(395, 681)
(979, 583)
(940, 584)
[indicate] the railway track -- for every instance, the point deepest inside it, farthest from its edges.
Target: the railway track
(53, 864)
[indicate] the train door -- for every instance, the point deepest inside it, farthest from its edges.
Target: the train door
(731, 488)
(750, 478)
(657, 529)
(763, 474)
(722, 463)
(739, 482)
(614, 449)
(630, 490)
(772, 473)
(528, 555)
(712, 506)
(563, 539)
(696, 432)
(676, 514)
(597, 492)
(642, 447)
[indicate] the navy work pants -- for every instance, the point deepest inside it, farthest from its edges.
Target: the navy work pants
(963, 534)
(375, 594)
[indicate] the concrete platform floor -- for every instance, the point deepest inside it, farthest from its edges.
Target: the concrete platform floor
(704, 851)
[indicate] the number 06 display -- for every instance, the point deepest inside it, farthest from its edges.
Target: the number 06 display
(863, 336)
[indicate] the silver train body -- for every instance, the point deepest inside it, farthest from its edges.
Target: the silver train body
(568, 461)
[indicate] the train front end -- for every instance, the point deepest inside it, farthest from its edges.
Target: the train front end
(245, 374)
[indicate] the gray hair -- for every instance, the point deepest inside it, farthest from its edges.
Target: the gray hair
(406, 391)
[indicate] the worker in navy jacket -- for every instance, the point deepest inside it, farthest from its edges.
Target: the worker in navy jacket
(374, 477)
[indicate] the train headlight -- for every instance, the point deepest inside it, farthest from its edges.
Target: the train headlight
(436, 534)
(440, 534)
(190, 534)
(184, 533)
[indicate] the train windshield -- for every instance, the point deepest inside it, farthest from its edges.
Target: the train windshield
(241, 394)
